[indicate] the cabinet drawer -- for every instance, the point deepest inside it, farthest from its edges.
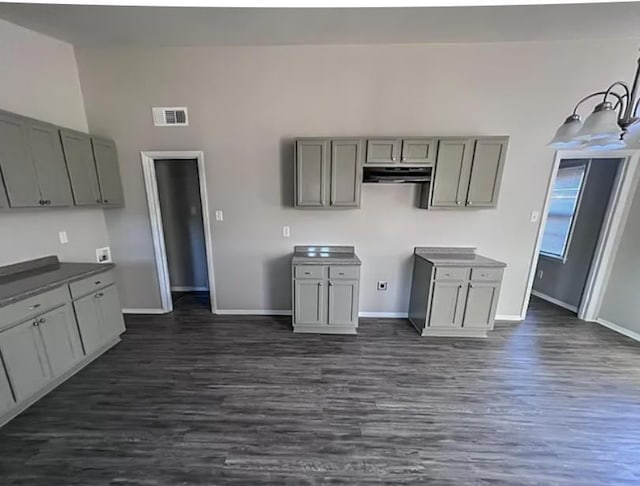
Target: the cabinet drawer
(452, 273)
(309, 271)
(89, 284)
(23, 310)
(344, 272)
(486, 274)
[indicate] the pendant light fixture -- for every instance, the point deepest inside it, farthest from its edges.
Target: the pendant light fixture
(613, 124)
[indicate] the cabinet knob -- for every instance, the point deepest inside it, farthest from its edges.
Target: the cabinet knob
(97, 282)
(458, 203)
(34, 306)
(404, 158)
(42, 320)
(469, 203)
(41, 202)
(393, 159)
(98, 201)
(330, 283)
(35, 323)
(106, 201)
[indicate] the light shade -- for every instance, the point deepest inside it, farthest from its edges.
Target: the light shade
(632, 135)
(565, 135)
(608, 143)
(602, 123)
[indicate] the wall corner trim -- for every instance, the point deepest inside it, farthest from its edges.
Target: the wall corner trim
(619, 329)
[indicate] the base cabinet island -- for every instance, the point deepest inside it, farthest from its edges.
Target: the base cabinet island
(55, 318)
(326, 287)
(454, 292)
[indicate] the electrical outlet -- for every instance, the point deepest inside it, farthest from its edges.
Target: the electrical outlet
(540, 273)
(383, 285)
(64, 239)
(103, 255)
(535, 216)
(286, 231)
(219, 215)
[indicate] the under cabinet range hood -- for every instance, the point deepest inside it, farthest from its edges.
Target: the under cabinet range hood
(397, 175)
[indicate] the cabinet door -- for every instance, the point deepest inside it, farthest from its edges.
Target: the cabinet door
(111, 321)
(6, 394)
(346, 173)
(17, 166)
(418, 151)
(343, 303)
(451, 178)
(88, 317)
(311, 173)
(486, 171)
(382, 151)
(106, 158)
(82, 168)
(447, 304)
(25, 359)
(309, 302)
(61, 339)
(46, 152)
(480, 309)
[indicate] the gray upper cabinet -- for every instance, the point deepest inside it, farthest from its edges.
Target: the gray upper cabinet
(346, 173)
(17, 166)
(328, 173)
(468, 172)
(46, 152)
(452, 168)
(383, 151)
(311, 173)
(25, 359)
(486, 171)
(61, 340)
(106, 158)
(78, 154)
(418, 150)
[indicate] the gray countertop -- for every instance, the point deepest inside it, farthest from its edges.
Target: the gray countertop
(456, 257)
(48, 274)
(325, 255)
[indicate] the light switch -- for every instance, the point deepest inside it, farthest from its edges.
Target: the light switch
(219, 215)
(535, 216)
(286, 231)
(63, 237)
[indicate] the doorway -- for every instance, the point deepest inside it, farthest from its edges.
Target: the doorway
(178, 210)
(580, 201)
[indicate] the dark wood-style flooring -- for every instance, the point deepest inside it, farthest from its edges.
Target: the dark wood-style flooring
(191, 399)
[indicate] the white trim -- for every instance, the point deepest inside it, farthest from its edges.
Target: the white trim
(612, 227)
(253, 312)
(151, 185)
(509, 317)
(555, 301)
(382, 315)
(179, 288)
(144, 311)
(619, 329)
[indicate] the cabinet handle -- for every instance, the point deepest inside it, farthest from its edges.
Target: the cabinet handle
(34, 306)
(42, 320)
(98, 295)
(106, 201)
(470, 285)
(330, 283)
(97, 282)
(98, 201)
(41, 202)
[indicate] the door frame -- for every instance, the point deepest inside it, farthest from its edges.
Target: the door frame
(610, 233)
(155, 217)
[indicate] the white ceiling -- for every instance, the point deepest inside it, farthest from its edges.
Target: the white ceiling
(85, 25)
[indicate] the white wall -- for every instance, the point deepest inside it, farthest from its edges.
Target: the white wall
(247, 104)
(40, 79)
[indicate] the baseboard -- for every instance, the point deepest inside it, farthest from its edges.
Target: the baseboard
(253, 312)
(509, 317)
(144, 311)
(21, 407)
(178, 288)
(382, 315)
(555, 301)
(619, 329)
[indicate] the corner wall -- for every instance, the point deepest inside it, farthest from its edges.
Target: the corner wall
(40, 79)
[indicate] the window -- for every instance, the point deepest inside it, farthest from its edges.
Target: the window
(563, 207)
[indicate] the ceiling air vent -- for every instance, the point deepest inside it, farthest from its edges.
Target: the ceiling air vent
(170, 117)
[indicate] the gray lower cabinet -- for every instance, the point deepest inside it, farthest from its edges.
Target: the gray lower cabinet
(106, 159)
(325, 301)
(78, 154)
(461, 304)
(39, 351)
(328, 173)
(25, 359)
(468, 173)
